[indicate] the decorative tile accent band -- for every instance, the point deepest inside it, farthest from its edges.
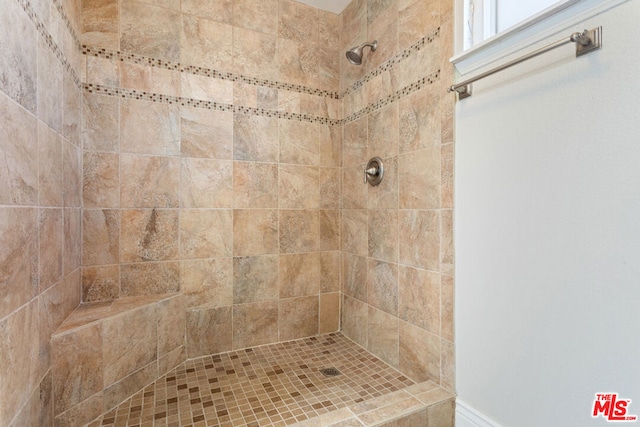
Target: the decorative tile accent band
(397, 95)
(208, 72)
(44, 33)
(212, 105)
(391, 63)
(201, 71)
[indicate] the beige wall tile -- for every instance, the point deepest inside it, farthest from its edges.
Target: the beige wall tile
(419, 237)
(18, 360)
(354, 232)
(128, 342)
(299, 142)
(297, 21)
(81, 413)
(330, 146)
(419, 353)
(19, 59)
(447, 159)
(255, 185)
(299, 231)
(447, 303)
(19, 151)
(208, 331)
(255, 138)
(72, 173)
(206, 233)
(446, 242)
(354, 190)
(383, 132)
(330, 265)
(354, 272)
(419, 123)
(354, 145)
(299, 317)
(298, 186)
(121, 390)
(72, 239)
(383, 235)
(51, 247)
(219, 10)
(255, 324)
(102, 71)
(255, 53)
(50, 177)
(383, 336)
(299, 61)
(206, 183)
(207, 282)
(149, 181)
(148, 127)
(255, 279)
(208, 89)
(255, 232)
(329, 320)
(100, 24)
(382, 286)
(355, 320)
(76, 366)
(447, 367)
(148, 235)
(416, 18)
(419, 298)
(101, 180)
(206, 133)
(171, 324)
(330, 190)
(383, 26)
(101, 283)
(258, 15)
(149, 30)
(419, 179)
(206, 43)
(101, 122)
(329, 230)
(298, 275)
(100, 236)
(149, 278)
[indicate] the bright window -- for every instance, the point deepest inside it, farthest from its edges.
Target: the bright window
(484, 19)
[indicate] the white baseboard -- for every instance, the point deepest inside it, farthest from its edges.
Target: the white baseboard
(466, 416)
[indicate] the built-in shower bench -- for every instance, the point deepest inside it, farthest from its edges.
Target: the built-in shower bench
(104, 352)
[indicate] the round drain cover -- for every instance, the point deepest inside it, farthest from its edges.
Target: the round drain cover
(330, 372)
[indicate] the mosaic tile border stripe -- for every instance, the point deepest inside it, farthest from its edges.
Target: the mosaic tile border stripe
(239, 109)
(48, 38)
(201, 71)
(396, 96)
(210, 105)
(229, 76)
(391, 63)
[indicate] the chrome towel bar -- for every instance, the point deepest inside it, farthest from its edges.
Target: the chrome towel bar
(586, 41)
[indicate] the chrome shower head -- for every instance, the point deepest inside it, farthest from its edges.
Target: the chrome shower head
(354, 55)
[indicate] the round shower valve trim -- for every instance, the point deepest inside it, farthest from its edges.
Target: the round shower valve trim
(374, 171)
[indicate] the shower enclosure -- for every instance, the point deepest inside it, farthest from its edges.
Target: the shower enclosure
(197, 166)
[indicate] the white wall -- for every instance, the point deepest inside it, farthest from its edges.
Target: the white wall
(548, 232)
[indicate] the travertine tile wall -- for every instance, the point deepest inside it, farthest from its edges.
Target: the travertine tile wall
(212, 164)
(397, 238)
(40, 197)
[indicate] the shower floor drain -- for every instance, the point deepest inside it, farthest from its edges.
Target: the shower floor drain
(330, 372)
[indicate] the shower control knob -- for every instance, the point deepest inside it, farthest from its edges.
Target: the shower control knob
(374, 171)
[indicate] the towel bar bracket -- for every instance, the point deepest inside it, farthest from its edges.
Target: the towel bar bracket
(586, 42)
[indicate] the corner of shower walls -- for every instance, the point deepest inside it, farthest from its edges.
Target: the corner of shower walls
(397, 238)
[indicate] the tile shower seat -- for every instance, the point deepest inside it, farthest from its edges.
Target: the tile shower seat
(105, 352)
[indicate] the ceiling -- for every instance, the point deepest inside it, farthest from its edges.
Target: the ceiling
(335, 6)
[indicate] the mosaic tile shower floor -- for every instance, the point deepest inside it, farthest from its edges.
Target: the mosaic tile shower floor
(272, 385)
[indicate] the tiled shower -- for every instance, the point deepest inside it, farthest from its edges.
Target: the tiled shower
(215, 149)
